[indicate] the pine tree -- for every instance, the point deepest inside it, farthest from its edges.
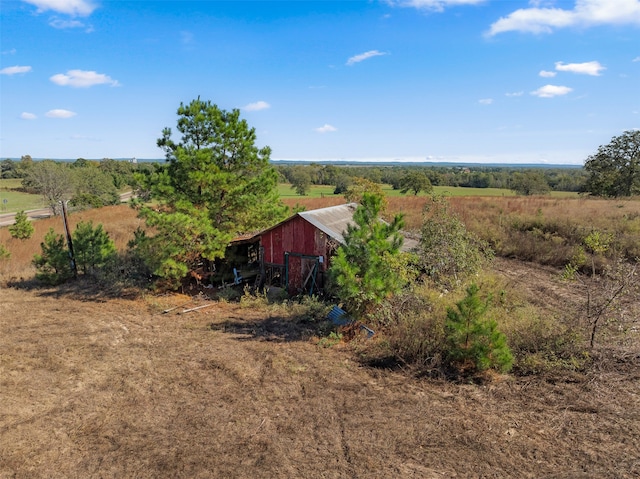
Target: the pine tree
(22, 228)
(53, 265)
(4, 252)
(217, 184)
(360, 270)
(474, 342)
(92, 247)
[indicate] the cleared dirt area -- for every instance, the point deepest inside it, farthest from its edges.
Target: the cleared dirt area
(94, 387)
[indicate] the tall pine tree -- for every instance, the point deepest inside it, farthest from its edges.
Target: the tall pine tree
(360, 271)
(217, 184)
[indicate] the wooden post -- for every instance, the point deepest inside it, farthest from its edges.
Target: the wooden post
(72, 257)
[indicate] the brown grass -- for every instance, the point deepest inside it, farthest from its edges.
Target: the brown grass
(95, 387)
(539, 229)
(118, 389)
(118, 221)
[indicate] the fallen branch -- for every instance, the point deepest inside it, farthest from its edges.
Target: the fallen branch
(196, 308)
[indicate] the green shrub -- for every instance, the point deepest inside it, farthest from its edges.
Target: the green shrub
(4, 252)
(54, 264)
(448, 253)
(124, 271)
(474, 343)
(22, 228)
(92, 247)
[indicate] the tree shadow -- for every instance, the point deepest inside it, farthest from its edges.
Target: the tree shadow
(274, 328)
(83, 288)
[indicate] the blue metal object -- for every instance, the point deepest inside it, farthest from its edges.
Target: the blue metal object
(339, 317)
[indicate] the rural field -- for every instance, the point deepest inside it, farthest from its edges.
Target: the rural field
(102, 383)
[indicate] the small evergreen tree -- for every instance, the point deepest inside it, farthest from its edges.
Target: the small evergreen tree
(92, 247)
(473, 341)
(360, 271)
(4, 252)
(53, 265)
(22, 228)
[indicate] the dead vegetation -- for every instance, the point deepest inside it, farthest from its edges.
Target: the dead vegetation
(119, 389)
(93, 385)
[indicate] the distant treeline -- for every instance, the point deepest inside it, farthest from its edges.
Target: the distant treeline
(522, 180)
(104, 177)
(82, 182)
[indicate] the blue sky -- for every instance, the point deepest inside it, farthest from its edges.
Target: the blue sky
(541, 81)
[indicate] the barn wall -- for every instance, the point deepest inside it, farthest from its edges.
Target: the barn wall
(295, 236)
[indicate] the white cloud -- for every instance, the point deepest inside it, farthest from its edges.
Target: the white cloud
(547, 74)
(326, 128)
(636, 59)
(486, 101)
(58, 113)
(25, 115)
(82, 79)
(60, 24)
(549, 91)
(585, 13)
(13, 52)
(79, 8)
(433, 5)
(257, 106)
(15, 70)
(587, 68)
(515, 93)
(364, 56)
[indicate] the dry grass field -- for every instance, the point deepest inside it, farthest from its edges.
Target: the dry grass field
(96, 387)
(93, 385)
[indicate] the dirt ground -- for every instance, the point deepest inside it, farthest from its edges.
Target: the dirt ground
(106, 388)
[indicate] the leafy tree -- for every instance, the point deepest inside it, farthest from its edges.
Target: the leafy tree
(473, 341)
(300, 178)
(615, 169)
(22, 228)
(415, 181)
(81, 163)
(24, 165)
(447, 252)
(530, 183)
(121, 172)
(53, 265)
(361, 186)
(52, 180)
(360, 271)
(327, 174)
(9, 169)
(92, 247)
(342, 181)
(93, 187)
(217, 184)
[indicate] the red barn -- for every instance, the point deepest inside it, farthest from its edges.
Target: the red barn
(298, 250)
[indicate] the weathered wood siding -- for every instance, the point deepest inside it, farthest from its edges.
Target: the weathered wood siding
(295, 236)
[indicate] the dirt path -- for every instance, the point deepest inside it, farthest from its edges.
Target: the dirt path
(117, 389)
